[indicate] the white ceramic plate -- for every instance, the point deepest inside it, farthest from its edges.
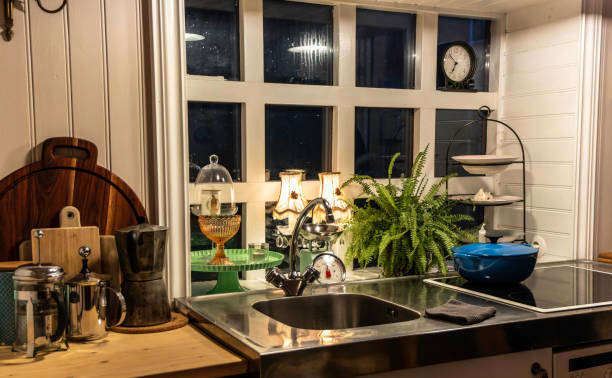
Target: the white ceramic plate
(485, 159)
(495, 201)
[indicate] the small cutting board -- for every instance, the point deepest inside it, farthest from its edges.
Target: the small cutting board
(61, 245)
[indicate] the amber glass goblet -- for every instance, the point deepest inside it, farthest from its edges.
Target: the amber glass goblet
(220, 229)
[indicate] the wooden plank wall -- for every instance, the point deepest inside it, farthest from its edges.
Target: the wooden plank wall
(539, 99)
(76, 73)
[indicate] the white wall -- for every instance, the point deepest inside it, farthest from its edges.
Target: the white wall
(539, 98)
(76, 73)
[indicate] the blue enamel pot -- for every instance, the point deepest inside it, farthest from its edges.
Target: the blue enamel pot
(498, 264)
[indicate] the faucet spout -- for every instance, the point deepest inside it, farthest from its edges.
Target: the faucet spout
(329, 215)
(295, 282)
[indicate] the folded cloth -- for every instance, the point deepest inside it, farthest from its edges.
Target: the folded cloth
(460, 312)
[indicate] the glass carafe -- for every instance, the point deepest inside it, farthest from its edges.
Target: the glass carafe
(40, 313)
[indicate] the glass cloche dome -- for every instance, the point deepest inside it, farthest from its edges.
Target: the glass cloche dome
(214, 190)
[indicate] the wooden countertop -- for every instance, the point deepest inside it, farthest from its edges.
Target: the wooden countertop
(181, 352)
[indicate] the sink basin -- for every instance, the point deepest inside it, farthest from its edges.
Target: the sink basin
(334, 311)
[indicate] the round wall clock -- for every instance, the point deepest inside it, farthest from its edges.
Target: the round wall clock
(458, 63)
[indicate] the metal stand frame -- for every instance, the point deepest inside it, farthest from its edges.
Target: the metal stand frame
(483, 113)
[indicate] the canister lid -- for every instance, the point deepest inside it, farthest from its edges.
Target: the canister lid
(43, 271)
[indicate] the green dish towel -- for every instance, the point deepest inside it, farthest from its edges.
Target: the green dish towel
(460, 312)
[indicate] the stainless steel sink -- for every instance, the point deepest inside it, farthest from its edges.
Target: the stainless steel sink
(334, 311)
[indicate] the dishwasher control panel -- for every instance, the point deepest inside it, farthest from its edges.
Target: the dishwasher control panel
(591, 361)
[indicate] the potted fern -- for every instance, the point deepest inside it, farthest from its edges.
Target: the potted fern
(407, 228)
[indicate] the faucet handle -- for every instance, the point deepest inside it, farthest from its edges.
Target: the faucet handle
(310, 275)
(275, 277)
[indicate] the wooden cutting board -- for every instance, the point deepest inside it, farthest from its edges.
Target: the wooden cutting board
(109, 259)
(61, 245)
(67, 175)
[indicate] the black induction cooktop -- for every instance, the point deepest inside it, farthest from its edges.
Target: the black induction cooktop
(548, 289)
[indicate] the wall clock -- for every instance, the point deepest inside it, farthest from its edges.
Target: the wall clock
(457, 66)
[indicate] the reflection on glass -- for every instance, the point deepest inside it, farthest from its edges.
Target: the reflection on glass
(211, 37)
(471, 141)
(385, 49)
(298, 137)
(379, 134)
(214, 128)
(298, 42)
(475, 32)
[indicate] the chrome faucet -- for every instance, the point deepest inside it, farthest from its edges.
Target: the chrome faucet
(294, 283)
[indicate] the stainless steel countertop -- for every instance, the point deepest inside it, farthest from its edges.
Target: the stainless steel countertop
(398, 345)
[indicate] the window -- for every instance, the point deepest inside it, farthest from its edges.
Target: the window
(214, 128)
(475, 32)
(351, 106)
(379, 134)
(211, 37)
(298, 42)
(385, 49)
(471, 141)
(298, 137)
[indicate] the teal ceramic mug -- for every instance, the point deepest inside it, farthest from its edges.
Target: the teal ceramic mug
(7, 309)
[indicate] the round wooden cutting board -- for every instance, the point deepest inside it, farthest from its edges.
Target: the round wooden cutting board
(67, 175)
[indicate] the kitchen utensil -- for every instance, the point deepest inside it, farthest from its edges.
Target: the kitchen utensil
(142, 250)
(40, 313)
(67, 175)
(88, 302)
(330, 266)
(502, 263)
(70, 216)
(7, 302)
(59, 244)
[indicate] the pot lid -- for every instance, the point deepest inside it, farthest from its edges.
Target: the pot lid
(500, 249)
(39, 272)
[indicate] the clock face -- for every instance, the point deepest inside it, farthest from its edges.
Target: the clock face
(457, 63)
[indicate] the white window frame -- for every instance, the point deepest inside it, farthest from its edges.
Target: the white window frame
(174, 88)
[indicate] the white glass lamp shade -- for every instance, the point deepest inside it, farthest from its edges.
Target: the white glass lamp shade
(329, 188)
(214, 190)
(291, 200)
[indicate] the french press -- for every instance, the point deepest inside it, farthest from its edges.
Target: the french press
(40, 313)
(88, 296)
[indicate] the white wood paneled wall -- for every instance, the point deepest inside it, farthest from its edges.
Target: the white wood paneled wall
(76, 73)
(540, 100)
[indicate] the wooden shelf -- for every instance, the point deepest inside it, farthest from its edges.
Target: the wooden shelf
(181, 352)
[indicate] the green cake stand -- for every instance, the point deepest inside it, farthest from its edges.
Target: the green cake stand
(227, 281)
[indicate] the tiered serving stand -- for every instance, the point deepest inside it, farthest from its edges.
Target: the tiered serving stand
(483, 113)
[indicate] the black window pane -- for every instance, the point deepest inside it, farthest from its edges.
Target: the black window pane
(214, 128)
(385, 49)
(298, 137)
(475, 32)
(298, 42)
(470, 141)
(379, 134)
(211, 34)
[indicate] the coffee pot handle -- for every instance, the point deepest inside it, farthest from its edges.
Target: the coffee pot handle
(63, 318)
(120, 299)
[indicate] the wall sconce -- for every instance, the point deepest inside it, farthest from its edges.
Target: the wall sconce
(329, 188)
(291, 200)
